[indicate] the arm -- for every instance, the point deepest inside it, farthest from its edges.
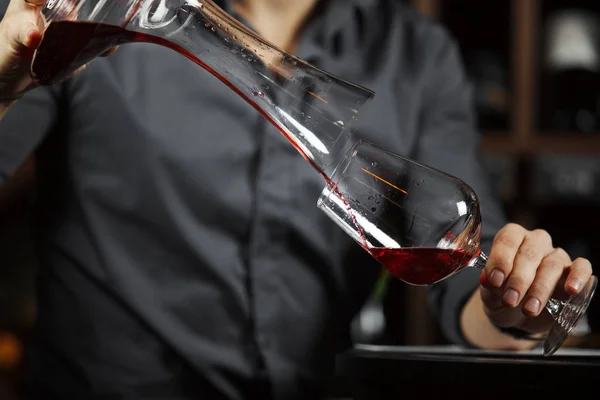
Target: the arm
(24, 127)
(448, 141)
(30, 118)
(523, 269)
(480, 332)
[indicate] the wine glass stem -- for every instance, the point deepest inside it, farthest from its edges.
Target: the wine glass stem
(554, 307)
(480, 261)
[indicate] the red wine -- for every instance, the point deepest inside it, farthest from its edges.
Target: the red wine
(68, 45)
(421, 265)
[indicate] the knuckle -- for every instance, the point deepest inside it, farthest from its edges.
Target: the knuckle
(542, 236)
(528, 252)
(519, 282)
(560, 252)
(506, 239)
(511, 226)
(513, 230)
(553, 268)
(584, 264)
(561, 257)
(500, 263)
(581, 260)
(541, 290)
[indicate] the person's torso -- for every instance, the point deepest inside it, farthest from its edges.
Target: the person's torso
(175, 217)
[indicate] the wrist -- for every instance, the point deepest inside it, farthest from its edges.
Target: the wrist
(521, 334)
(482, 332)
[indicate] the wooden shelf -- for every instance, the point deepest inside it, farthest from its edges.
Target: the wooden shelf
(558, 143)
(427, 7)
(565, 143)
(524, 139)
(499, 143)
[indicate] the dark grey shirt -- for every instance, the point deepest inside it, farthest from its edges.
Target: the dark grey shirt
(179, 242)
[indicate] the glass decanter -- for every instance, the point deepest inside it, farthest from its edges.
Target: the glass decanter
(311, 108)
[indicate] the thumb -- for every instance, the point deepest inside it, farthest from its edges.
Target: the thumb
(29, 38)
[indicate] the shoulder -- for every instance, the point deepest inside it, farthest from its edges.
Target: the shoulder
(421, 39)
(408, 19)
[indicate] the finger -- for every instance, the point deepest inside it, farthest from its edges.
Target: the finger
(492, 301)
(504, 249)
(499, 313)
(581, 271)
(536, 245)
(109, 52)
(549, 273)
(30, 36)
(24, 36)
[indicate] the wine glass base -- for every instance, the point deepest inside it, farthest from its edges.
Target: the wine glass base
(568, 317)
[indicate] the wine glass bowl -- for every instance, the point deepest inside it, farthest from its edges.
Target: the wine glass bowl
(394, 207)
(420, 223)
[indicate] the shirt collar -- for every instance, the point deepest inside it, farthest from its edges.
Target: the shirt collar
(333, 18)
(226, 4)
(339, 13)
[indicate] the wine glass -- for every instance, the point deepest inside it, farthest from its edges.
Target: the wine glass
(421, 224)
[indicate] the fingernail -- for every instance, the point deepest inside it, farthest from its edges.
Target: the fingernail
(496, 278)
(510, 297)
(575, 284)
(532, 305)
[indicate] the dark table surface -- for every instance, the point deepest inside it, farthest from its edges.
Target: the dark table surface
(382, 372)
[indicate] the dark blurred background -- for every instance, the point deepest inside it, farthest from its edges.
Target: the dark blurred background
(535, 66)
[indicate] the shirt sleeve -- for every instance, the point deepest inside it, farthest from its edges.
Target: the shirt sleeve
(24, 127)
(449, 142)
